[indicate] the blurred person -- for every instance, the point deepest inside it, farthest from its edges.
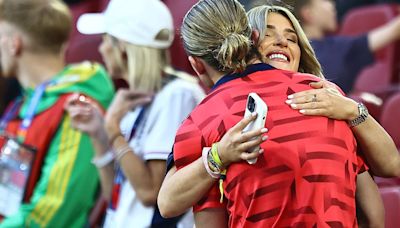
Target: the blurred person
(342, 58)
(62, 183)
(9, 90)
(137, 132)
(193, 181)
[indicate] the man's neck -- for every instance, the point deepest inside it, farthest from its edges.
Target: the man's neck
(313, 33)
(35, 69)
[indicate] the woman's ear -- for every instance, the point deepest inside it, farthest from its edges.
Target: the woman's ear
(16, 45)
(197, 65)
(255, 36)
(306, 16)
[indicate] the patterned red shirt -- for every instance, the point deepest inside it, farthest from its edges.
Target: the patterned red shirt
(307, 175)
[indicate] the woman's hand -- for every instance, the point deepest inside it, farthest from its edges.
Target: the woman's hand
(324, 100)
(234, 144)
(123, 101)
(85, 115)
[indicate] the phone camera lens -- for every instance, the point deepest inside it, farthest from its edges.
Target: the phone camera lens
(251, 104)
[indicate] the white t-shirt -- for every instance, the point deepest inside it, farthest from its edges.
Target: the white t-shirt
(154, 138)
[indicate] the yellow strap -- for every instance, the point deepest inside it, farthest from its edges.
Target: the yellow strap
(221, 187)
(215, 155)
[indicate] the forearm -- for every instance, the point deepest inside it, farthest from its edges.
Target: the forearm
(370, 209)
(106, 173)
(384, 35)
(211, 218)
(145, 181)
(378, 148)
(183, 188)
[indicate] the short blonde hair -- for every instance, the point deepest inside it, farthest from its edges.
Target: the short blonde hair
(47, 23)
(308, 62)
(144, 65)
(218, 31)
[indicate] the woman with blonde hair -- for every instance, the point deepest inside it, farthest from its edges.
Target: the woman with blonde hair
(137, 132)
(217, 38)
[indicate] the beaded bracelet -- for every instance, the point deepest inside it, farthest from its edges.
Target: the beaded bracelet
(120, 152)
(218, 165)
(205, 153)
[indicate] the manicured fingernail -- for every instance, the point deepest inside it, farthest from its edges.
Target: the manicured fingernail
(254, 114)
(302, 111)
(261, 151)
(290, 96)
(293, 105)
(264, 138)
(264, 130)
(288, 101)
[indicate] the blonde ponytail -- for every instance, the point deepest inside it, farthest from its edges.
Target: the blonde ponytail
(233, 51)
(218, 31)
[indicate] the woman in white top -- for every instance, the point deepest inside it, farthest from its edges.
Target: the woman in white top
(134, 138)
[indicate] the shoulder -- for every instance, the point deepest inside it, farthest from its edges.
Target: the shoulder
(334, 42)
(180, 88)
(87, 78)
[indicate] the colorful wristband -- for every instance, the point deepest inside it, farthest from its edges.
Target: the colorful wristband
(205, 152)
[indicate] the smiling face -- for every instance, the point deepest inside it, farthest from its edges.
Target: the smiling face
(280, 47)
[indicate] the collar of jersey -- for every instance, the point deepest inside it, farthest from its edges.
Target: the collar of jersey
(249, 70)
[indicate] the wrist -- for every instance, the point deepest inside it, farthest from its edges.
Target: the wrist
(353, 111)
(224, 161)
(362, 115)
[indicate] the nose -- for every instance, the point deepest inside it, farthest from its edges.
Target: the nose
(281, 40)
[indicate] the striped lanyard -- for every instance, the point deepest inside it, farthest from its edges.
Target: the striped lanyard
(119, 176)
(30, 113)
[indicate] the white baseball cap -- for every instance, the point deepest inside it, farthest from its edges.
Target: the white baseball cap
(134, 21)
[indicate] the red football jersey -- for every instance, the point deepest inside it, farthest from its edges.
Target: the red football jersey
(307, 175)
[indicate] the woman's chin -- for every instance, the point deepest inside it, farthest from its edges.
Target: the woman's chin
(281, 65)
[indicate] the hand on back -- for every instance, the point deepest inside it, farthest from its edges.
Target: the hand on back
(324, 100)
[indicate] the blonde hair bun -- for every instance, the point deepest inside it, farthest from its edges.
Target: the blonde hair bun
(233, 51)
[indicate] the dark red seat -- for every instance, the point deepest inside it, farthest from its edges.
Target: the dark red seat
(389, 120)
(178, 10)
(84, 47)
(390, 117)
(391, 200)
(385, 70)
(80, 8)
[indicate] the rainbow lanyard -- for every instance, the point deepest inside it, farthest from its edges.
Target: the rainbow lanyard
(30, 113)
(119, 176)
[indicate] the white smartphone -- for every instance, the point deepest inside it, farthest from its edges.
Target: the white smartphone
(255, 104)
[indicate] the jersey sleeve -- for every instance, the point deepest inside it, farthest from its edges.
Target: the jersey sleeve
(171, 109)
(361, 164)
(189, 143)
(68, 183)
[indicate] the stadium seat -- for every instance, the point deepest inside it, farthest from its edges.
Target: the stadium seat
(391, 201)
(77, 9)
(84, 47)
(389, 118)
(178, 56)
(385, 70)
(103, 4)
